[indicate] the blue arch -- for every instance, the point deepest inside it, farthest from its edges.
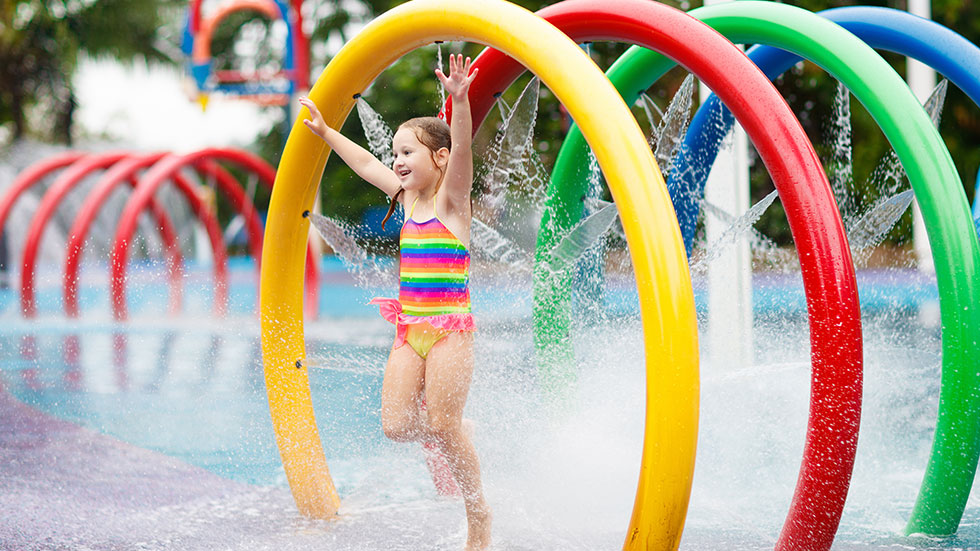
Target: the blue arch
(976, 206)
(897, 31)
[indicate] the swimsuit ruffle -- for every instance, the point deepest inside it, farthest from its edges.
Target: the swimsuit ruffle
(391, 310)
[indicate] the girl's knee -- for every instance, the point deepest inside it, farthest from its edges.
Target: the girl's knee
(444, 428)
(401, 430)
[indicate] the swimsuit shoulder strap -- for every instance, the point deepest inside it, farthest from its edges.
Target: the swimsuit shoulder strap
(435, 213)
(412, 210)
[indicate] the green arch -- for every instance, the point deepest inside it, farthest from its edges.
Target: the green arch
(952, 465)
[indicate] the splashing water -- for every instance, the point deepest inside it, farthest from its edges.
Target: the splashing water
(238, 222)
(734, 231)
(667, 139)
(867, 229)
(593, 195)
(582, 237)
(378, 133)
(484, 240)
(840, 167)
(889, 176)
(510, 148)
(492, 245)
(503, 107)
(650, 107)
(870, 229)
(935, 102)
(764, 249)
(442, 91)
(365, 267)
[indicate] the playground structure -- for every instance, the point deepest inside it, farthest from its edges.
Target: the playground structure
(840, 41)
(672, 406)
(145, 173)
(275, 89)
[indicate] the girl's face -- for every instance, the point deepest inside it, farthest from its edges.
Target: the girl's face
(415, 165)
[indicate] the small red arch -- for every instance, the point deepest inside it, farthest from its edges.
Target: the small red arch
(30, 176)
(122, 172)
(64, 183)
(203, 213)
(207, 217)
(156, 177)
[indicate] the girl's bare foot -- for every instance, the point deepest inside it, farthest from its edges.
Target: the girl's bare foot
(478, 522)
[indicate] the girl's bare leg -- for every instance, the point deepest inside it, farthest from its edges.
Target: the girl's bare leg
(448, 373)
(401, 394)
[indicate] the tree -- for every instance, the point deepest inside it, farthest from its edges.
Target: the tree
(40, 43)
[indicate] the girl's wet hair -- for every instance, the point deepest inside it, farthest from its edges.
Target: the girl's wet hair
(434, 134)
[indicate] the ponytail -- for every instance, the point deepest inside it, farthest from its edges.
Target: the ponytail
(391, 209)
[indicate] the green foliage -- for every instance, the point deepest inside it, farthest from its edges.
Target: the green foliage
(40, 41)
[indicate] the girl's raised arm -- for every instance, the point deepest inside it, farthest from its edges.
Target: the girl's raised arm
(459, 173)
(366, 165)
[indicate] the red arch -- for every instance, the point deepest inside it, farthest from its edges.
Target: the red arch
(123, 171)
(211, 226)
(828, 272)
(239, 201)
(203, 213)
(30, 176)
(65, 182)
(127, 170)
(148, 185)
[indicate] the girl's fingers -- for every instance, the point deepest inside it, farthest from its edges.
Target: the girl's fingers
(442, 78)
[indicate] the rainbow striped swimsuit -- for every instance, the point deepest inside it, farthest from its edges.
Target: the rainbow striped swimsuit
(435, 269)
(434, 272)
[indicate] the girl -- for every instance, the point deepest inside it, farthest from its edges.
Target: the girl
(431, 178)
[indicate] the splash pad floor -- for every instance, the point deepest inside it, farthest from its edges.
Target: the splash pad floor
(190, 389)
(68, 487)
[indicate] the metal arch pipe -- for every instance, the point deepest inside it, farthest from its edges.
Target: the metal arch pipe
(64, 183)
(127, 228)
(953, 460)
(170, 166)
(31, 176)
(828, 273)
(122, 172)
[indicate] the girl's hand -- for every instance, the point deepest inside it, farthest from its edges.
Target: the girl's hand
(457, 84)
(316, 122)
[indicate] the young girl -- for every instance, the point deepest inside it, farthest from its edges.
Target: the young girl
(426, 382)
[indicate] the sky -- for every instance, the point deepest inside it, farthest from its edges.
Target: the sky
(148, 108)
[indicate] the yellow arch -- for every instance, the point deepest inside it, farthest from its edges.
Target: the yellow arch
(665, 293)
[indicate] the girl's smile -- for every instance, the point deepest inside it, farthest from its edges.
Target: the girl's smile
(415, 165)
